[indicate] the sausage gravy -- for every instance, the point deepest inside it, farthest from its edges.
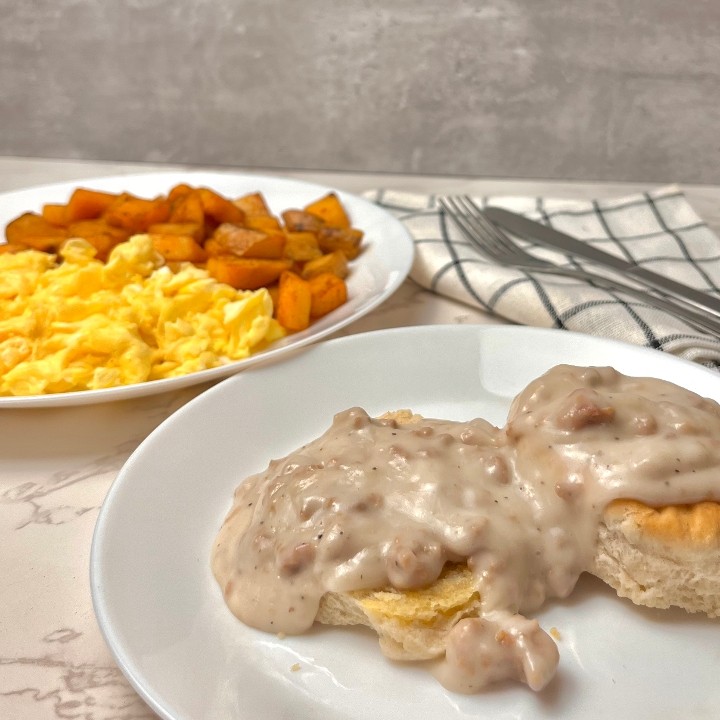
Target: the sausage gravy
(373, 503)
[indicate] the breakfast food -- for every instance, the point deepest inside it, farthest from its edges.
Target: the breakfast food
(662, 557)
(443, 536)
(81, 324)
(112, 289)
(301, 256)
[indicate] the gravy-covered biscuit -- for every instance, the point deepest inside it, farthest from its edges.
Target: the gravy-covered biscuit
(445, 536)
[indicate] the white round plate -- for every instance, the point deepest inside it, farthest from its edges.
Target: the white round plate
(374, 276)
(164, 618)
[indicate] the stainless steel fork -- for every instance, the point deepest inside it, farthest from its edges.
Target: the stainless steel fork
(494, 244)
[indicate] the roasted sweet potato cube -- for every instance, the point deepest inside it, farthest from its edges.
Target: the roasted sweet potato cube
(194, 230)
(55, 214)
(137, 214)
(188, 208)
(178, 191)
(348, 241)
(271, 247)
(301, 221)
(331, 210)
(46, 243)
(229, 239)
(293, 303)
(28, 224)
(87, 204)
(334, 262)
(264, 223)
(34, 231)
(83, 228)
(219, 208)
(327, 292)
(253, 204)
(302, 246)
(178, 248)
(214, 249)
(246, 273)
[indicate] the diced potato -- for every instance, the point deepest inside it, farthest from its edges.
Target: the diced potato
(55, 214)
(137, 214)
(192, 229)
(229, 239)
(32, 230)
(178, 248)
(301, 221)
(253, 204)
(187, 208)
(83, 228)
(264, 223)
(293, 303)
(178, 191)
(331, 239)
(331, 210)
(87, 204)
(246, 273)
(219, 208)
(334, 262)
(327, 292)
(301, 246)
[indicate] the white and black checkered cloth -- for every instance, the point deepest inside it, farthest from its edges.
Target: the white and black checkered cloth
(657, 230)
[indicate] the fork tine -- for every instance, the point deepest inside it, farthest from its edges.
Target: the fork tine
(459, 217)
(474, 212)
(457, 214)
(450, 205)
(482, 234)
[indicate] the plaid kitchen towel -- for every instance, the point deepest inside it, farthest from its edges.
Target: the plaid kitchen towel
(658, 230)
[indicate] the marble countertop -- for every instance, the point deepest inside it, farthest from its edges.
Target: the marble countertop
(56, 466)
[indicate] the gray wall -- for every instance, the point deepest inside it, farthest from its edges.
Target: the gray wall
(597, 89)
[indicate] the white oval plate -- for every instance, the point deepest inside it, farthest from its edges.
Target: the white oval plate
(164, 618)
(374, 276)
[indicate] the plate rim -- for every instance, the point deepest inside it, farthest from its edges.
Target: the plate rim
(120, 654)
(396, 276)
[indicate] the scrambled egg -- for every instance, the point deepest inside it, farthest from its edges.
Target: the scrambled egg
(82, 324)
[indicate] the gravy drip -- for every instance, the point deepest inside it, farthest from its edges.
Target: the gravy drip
(372, 503)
